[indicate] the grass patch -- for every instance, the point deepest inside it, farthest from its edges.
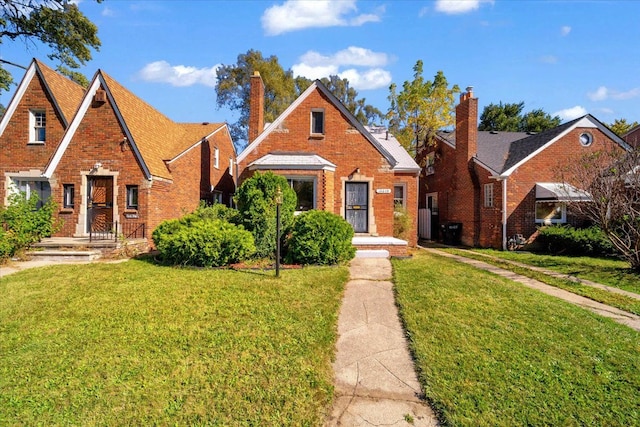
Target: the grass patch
(139, 344)
(491, 352)
(623, 302)
(608, 271)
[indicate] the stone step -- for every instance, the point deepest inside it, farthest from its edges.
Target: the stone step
(64, 255)
(372, 253)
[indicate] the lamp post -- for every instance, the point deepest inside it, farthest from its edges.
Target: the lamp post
(278, 203)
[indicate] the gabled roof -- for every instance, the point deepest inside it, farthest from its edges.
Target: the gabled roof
(304, 161)
(317, 85)
(64, 93)
(503, 152)
(156, 140)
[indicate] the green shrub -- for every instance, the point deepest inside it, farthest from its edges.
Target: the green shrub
(568, 240)
(6, 247)
(216, 211)
(25, 223)
(320, 237)
(203, 243)
(401, 223)
(257, 208)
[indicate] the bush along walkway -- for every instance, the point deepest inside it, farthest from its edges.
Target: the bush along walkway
(629, 319)
(375, 379)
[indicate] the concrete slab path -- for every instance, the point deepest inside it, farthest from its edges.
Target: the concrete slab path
(620, 316)
(375, 378)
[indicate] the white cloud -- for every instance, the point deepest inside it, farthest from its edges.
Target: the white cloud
(350, 56)
(454, 7)
(548, 59)
(178, 75)
(571, 113)
(369, 74)
(375, 78)
(314, 71)
(297, 15)
(565, 30)
(603, 93)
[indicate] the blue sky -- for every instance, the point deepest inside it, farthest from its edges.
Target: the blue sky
(568, 57)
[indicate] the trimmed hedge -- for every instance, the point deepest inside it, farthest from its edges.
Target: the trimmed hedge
(567, 240)
(202, 243)
(320, 237)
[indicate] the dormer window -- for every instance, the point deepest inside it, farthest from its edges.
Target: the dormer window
(37, 126)
(317, 121)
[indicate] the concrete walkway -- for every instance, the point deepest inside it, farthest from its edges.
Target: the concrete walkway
(375, 380)
(620, 316)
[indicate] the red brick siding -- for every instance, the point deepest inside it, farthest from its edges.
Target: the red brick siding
(343, 146)
(15, 153)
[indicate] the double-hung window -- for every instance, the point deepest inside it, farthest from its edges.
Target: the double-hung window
(399, 196)
(37, 126)
(317, 121)
(488, 196)
(68, 196)
(132, 197)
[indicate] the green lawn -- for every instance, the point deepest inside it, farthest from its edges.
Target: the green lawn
(608, 271)
(501, 259)
(139, 344)
(491, 352)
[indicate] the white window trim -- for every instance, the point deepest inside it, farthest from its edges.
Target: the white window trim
(404, 194)
(216, 158)
(128, 204)
(32, 126)
(324, 122)
(489, 196)
(67, 201)
(563, 218)
(231, 166)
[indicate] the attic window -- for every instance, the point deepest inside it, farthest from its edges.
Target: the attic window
(37, 126)
(317, 121)
(586, 139)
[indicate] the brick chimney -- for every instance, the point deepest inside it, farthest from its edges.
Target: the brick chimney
(256, 106)
(467, 125)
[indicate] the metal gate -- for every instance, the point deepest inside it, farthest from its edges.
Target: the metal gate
(424, 224)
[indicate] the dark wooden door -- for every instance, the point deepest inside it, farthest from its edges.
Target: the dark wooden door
(100, 204)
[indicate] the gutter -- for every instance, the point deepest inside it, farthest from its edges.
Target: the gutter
(504, 213)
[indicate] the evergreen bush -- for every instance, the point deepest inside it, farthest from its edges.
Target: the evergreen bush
(567, 240)
(202, 243)
(320, 237)
(401, 223)
(257, 208)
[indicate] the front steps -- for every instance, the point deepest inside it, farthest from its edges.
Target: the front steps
(379, 247)
(71, 249)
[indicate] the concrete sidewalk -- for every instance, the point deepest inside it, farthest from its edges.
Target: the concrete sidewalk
(375, 379)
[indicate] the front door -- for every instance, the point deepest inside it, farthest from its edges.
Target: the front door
(99, 203)
(357, 206)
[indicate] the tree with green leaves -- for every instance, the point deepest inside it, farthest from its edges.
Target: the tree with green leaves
(58, 24)
(421, 108)
(508, 117)
(621, 126)
(281, 89)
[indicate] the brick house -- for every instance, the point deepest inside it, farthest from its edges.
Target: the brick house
(105, 156)
(633, 137)
(500, 184)
(333, 162)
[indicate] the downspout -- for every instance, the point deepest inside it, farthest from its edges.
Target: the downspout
(504, 214)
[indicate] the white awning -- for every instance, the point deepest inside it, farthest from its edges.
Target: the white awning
(292, 161)
(560, 192)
